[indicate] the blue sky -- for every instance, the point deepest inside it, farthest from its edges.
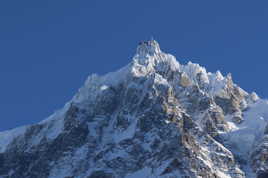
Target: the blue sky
(48, 48)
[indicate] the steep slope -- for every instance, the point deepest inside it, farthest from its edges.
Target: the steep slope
(152, 118)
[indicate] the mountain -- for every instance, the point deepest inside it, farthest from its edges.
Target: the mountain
(154, 118)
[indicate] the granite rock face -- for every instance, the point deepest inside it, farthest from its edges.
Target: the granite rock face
(152, 118)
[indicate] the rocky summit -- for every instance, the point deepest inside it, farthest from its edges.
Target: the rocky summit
(154, 118)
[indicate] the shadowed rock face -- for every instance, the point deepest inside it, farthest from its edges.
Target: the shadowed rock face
(263, 175)
(153, 118)
(101, 174)
(37, 159)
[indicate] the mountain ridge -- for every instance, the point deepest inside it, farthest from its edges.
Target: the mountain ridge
(152, 118)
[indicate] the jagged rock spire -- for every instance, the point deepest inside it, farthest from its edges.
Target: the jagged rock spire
(150, 47)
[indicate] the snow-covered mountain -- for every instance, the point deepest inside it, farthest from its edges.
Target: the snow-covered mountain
(154, 118)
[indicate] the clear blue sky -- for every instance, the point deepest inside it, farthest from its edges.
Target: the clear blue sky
(48, 47)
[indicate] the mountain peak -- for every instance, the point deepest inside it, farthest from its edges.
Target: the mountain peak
(150, 48)
(152, 118)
